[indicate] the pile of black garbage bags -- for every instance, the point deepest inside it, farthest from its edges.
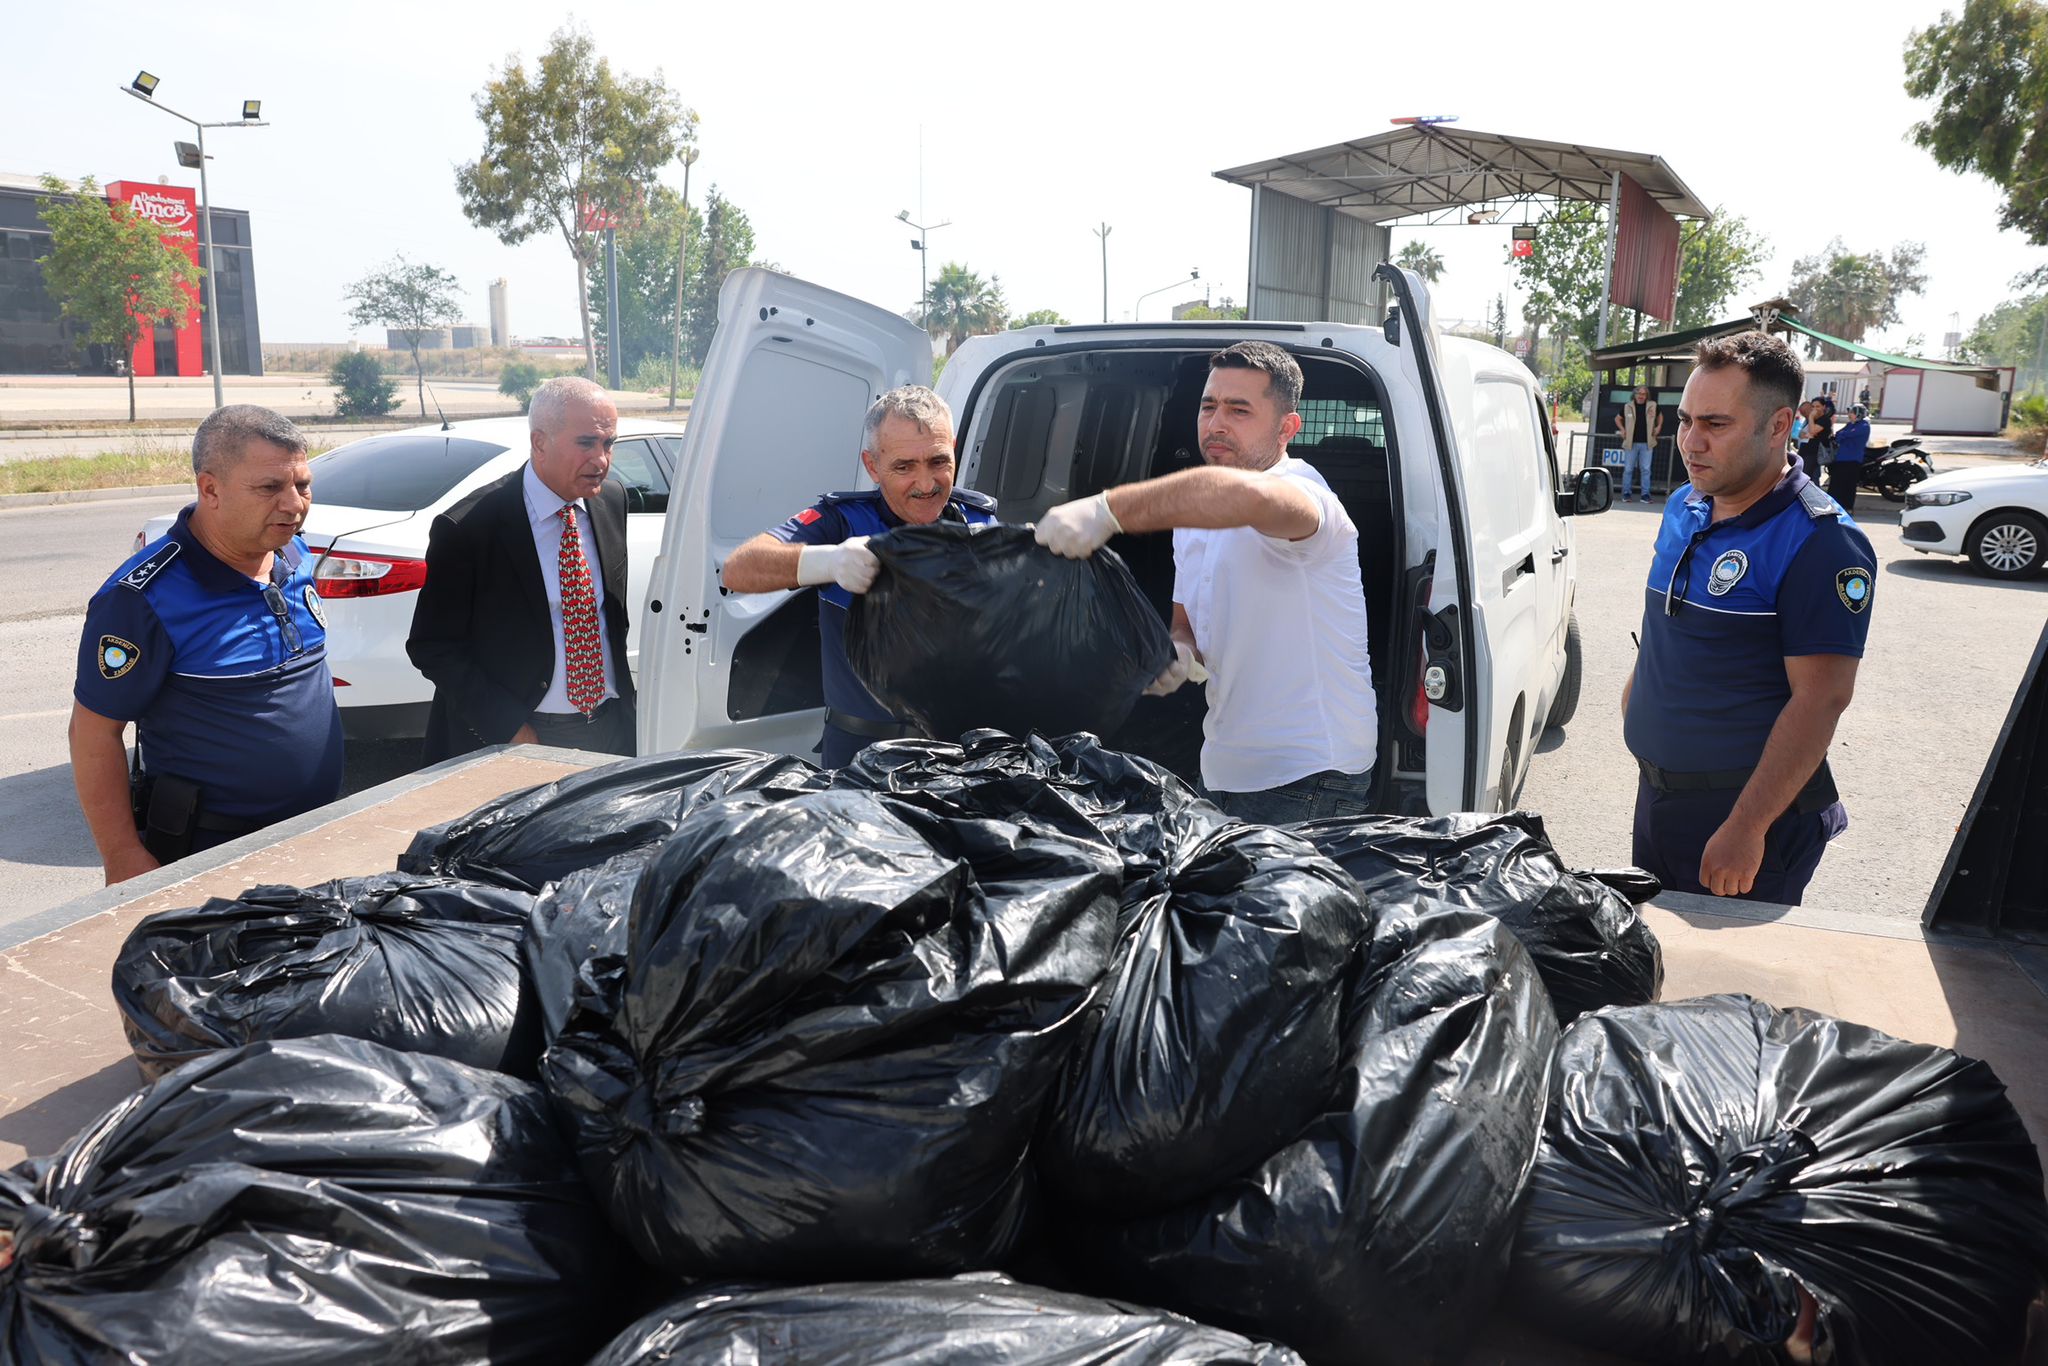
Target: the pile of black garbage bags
(1004, 1050)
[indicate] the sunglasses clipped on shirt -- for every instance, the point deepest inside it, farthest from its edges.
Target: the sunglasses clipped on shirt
(1681, 577)
(273, 597)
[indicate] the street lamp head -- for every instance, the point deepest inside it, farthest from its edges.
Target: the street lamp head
(1195, 274)
(903, 214)
(144, 85)
(189, 155)
(252, 110)
(689, 156)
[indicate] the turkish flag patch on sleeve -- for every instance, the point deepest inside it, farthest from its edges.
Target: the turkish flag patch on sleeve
(807, 516)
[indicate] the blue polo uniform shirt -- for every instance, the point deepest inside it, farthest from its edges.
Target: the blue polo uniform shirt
(226, 680)
(840, 517)
(1725, 604)
(1851, 442)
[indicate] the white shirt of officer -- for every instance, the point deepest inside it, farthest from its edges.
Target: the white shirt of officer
(543, 505)
(1281, 627)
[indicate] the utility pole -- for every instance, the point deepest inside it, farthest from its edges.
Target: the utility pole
(611, 306)
(675, 352)
(1103, 233)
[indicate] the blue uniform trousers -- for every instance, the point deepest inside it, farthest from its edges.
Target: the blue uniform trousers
(1672, 830)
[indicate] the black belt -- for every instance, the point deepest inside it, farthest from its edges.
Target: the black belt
(1818, 795)
(869, 729)
(562, 719)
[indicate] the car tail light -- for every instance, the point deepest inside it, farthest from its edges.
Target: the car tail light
(368, 576)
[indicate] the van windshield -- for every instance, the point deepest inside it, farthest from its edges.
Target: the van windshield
(403, 472)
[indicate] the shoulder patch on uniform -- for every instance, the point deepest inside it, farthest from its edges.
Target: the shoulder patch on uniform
(1818, 505)
(1853, 587)
(847, 496)
(117, 656)
(138, 578)
(313, 605)
(807, 516)
(975, 500)
(1727, 572)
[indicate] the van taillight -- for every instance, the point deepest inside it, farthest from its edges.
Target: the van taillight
(368, 576)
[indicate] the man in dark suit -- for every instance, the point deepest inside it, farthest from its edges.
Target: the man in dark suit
(522, 623)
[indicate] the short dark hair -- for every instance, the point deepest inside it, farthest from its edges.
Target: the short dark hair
(1771, 365)
(1283, 373)
(219, 441)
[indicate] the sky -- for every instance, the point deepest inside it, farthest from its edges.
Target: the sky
(1024, 128)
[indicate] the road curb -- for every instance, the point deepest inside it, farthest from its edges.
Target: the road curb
(55, 496)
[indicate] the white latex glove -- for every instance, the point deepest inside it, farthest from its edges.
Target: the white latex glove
(1175, 674)
(1078, 529)
(850, 564)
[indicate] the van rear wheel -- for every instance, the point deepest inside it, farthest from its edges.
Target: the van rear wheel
(1567, 703)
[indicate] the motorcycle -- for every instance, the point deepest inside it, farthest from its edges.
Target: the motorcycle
(1894, 468)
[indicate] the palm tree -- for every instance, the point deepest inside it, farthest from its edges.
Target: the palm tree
(1421, 258)
(961, 304)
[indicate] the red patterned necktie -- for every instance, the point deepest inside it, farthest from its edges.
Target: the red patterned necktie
(580, 647)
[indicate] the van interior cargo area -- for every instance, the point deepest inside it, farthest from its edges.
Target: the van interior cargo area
(1065, 424)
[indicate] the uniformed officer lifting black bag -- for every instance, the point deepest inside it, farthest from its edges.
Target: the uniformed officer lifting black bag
(317, 1200)
(812, 1038)
(530, 838)
(1380, 1233)
(1713, 1171)
(429, 965)
(980, 626)
(1219, 1037)
(1583, 930)
(989, 1320)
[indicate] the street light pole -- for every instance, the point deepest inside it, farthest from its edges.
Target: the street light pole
(1136, 308)
(675, 355)
(921, 244)
(1103, 233)
(205, 208)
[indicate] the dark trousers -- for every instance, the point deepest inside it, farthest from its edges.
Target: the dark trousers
(608, 730)
(1672, 830)
(1315, 797)
(1843, 477)
(839, 747)
(1809, 456)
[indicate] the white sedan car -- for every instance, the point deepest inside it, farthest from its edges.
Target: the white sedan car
(1997, 515)
(374, 501)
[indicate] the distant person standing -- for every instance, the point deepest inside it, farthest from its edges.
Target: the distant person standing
(1638, 424)
(1817, 445)
(1851, 444)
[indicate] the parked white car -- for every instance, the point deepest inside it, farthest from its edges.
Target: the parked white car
(1439, 447)
(1995, 514)
(375, 500)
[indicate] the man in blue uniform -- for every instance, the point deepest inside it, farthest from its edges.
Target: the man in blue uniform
(907, 449)
(1852, 443)
(1757, 607)
(212, 641)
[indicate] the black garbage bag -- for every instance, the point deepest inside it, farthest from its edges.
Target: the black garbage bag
(1583, 930)
(819, 1039)
(1219, 1040)
(531, 838)
(314, 1201)
(1381, 1233)
(974, 627)
(1071, 782)
(426, 964)
(1705, 1160)
(989, 1320)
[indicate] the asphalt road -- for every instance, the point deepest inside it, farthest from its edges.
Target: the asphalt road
(1945, 655)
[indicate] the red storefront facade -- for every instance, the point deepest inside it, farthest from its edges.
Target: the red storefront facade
(174, 209)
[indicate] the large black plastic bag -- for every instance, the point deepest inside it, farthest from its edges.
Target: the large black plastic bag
(1704, 1159)
(429, 965)
(817, 1043)
(972, 627)
(1381, 1233)
(312, 1202)
(988, 1320)
(531, 838)
(1220, 1036)
(1583, 931)
(1144, 812)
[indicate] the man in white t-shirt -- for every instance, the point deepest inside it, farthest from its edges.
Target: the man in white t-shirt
(1266, 595)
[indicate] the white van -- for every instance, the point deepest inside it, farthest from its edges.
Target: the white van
(1439, 448)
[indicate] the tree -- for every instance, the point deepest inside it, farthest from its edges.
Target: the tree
(112, 272)
(1717, 258)
(648, 244)
(2011, 334)
(361, 388)
(1847, 295)
(1987, 72)
(1564, 272)
(1498, 322)
(569, 138)
(518, 380)
(1223, 311)
(410, 298)
(961, 304)
(725, 245)
(1421, 258)
(1038, 317)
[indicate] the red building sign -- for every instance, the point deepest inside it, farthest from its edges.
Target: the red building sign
(175, 209)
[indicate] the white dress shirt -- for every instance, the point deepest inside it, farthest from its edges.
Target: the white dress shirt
(542, 505)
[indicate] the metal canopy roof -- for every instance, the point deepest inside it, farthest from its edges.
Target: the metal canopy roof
(1427, 168)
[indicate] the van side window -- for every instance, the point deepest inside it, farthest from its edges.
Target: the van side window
(1510, 464)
